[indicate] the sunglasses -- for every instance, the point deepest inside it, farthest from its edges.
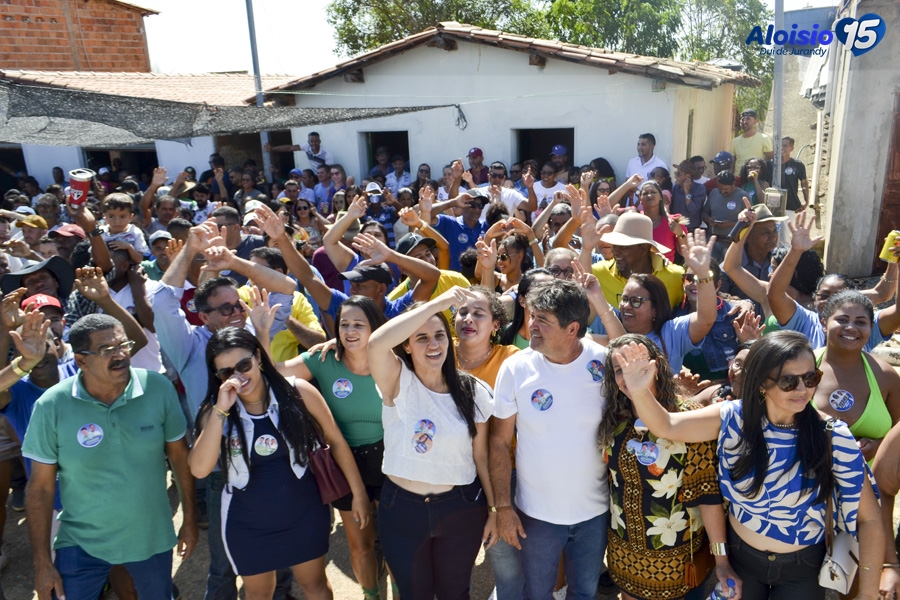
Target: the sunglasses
(688, 278)
(789, 383)
(567, 273)
(242, 366)
(503, 256)
(634, 301)
(107, 351)
(302, 207)
(497, 175)
(226, 310)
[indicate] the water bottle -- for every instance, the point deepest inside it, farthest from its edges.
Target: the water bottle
(722, 592)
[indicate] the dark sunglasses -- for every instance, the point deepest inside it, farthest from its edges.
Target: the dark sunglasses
(226, 310)
(789, 383)
(634, 301)
(567, 273)
(497, 175)
(503, 256)
(302, 207)
(242, 366)
(688, 277)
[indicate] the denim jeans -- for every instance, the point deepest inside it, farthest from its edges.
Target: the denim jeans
(221, 581)
(583, 545)
(506, 562)
(431, 542)
(777, 576)
(84, 576)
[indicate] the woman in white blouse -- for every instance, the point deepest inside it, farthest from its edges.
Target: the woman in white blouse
(433, 514)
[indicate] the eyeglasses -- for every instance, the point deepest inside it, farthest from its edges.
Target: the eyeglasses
(226, 310)
(497, 175)
(302, 207)
(634, 301)
(515, 170)
(242, 366)
(107, 351)
(605, 190)
(566, 273)
(789, 383)
(688, 277)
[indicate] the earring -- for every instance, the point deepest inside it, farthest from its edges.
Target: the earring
(762, 396)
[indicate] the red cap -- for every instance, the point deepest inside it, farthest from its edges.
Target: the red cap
(68, 230)
(475, 152)
(42, 300)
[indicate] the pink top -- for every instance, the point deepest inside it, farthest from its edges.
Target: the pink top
(663, 235)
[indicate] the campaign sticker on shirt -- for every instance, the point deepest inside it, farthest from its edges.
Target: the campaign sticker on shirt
(645, 452)
(423, 439)
(841, 400)
(789, 171)
(342, 388)
(234, 445)
(542, 400)
(265, 445)
(731, 204)
(595, 368)
(191, 305)
(463, 238)
(90, 435)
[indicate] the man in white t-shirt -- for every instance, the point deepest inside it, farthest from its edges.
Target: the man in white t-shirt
(516, 203)
(646, 160)
(315, 153)
(551, 398)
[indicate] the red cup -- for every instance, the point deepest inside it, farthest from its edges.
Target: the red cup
(79, 186)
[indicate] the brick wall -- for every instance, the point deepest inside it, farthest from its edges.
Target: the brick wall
(72, 35)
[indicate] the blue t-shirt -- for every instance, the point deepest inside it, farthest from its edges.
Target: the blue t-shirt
(18, 411)
(674, 339)
(809, 324)
(392, 308)
(459, 236)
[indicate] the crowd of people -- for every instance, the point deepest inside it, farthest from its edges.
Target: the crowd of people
(646, 381)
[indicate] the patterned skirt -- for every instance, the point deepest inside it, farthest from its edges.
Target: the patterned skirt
(649, 574)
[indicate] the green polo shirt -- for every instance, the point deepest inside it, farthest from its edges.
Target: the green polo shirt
(111, 464)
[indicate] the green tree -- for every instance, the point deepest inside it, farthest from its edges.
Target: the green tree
(718, 29)
(362, 25)
(647, 27)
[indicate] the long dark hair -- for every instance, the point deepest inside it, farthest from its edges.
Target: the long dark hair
(460, 384)
(659, 297)
(296, 425)
(508, 335)
(764, 363)
(618, 407)
(373, 314)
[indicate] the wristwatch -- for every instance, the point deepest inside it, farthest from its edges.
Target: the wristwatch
(718, 549)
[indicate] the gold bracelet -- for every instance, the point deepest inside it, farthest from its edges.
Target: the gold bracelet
(888, 280)
(705, 280)
(534, 241)
(224, 413)
(14, 365)
(890, 566)
(609, 310)
(495, 509)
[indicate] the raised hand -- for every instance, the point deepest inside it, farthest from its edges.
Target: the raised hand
(426, 203)
(487, 254)
(801, 230)
(456, 168)
(262, 316)
(576, 201)
(467, 177)
(173, 248)
(638, 371)
(587, 178)
(590, 236)
(269, 222)
(455, 296)
(11, 313)
(699, 252)
(748, 326)
(91, 283)
(635, 181)
(159, 177)
(528, 179)
(180, 178)
(82, 216)
(376, 251)
(218, 258)
(32, 341)
(387, 196)
(358, 207)
(690, 384)
(409, 217)
(16, 247)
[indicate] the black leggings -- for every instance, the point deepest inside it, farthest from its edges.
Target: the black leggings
(431, 542)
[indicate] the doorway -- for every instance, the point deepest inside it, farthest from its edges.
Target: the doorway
(537, 143)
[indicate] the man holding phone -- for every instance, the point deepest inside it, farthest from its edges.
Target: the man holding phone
(382, 208)
(463, 231)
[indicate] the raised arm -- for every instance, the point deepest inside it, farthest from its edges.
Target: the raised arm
(85, 219)
(31, 343)
(199, 239)
(220, 258)
(783, 306)
(146, 203)
(378, 252)
(697, 257)
(884, 290)
(411, 219)
(91, 284)
(733, 265)
(886, 469)
(626, 189)
(604, 310)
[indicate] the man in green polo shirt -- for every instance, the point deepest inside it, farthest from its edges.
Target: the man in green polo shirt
(106, 432)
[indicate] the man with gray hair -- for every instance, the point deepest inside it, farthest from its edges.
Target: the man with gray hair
(553, 398)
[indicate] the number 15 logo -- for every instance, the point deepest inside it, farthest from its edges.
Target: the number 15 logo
(860, 35)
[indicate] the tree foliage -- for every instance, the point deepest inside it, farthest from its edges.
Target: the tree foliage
(647, 27)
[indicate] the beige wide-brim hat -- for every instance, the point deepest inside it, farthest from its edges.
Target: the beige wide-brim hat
(763, 214)
(632, 229)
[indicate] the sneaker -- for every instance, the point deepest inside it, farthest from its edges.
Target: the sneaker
(560, 594)
(202, 515)
(18, 499)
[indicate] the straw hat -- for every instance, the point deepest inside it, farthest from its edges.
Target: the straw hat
(763, 214)
(632, 229)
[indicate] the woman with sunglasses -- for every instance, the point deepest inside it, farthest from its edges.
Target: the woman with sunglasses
(248, 190)
(775, 469)
(857, 387)
(663, 494)
(433, 515)
(645, 309)
(307, 218)
(259, 427)
(339, 182)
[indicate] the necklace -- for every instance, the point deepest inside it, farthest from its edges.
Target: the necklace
(477, 361)
(255, 402)
(790, 425)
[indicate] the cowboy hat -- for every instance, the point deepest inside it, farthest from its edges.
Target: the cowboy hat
(633, 229)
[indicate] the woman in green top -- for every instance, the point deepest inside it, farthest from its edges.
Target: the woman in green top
(349, 391)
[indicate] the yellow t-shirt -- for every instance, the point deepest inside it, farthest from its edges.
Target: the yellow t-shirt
(446, 281)
(284, 343)
(613, 283)
(749, 147)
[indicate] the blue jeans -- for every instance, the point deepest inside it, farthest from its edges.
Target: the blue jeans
(221, 581)
(583, 545)
(84, 576)
(506, 562)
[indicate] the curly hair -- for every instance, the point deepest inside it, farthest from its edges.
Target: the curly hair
(498, 311)
(618, 407)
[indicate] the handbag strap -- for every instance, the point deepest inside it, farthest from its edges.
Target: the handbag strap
(829, 510)
(320, 442)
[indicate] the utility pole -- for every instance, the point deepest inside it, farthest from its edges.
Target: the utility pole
(777, 97)
(263, 135)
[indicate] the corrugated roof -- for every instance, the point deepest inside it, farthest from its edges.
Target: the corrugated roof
(694, 74)
(219, 89)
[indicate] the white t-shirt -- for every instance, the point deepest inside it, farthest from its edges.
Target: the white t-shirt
(560, 473)
(132, 235)
(636, 166)
(148, 356)
(510, 198)
(545, 195)
(323, 157)
(425, 438)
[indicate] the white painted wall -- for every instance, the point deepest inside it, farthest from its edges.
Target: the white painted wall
(40, 160)
(500, 92)
(175, 156)
(712, 115)
(867, 86)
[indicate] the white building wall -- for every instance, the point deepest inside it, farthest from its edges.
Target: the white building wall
(499, 92)
(40, 160)
(711, 129)
(175, 156)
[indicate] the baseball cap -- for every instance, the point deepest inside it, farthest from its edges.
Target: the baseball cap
(296, 172)
(129, 185)
(160, 235)
(103, 171)
(24, 210)
(559, 150)
(475, 152)
(42, 300)
(749, 112)
(33, 221)
(477, 192)
(373, 188)
(68, 230)
(249, 217)
(723, 157)
(409, 241)
(378, 273)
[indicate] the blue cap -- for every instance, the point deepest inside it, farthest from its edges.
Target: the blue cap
(723, 157)
(296, 172)
(559, 150)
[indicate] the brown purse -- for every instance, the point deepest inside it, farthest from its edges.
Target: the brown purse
(698, 565)
(329, 477)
